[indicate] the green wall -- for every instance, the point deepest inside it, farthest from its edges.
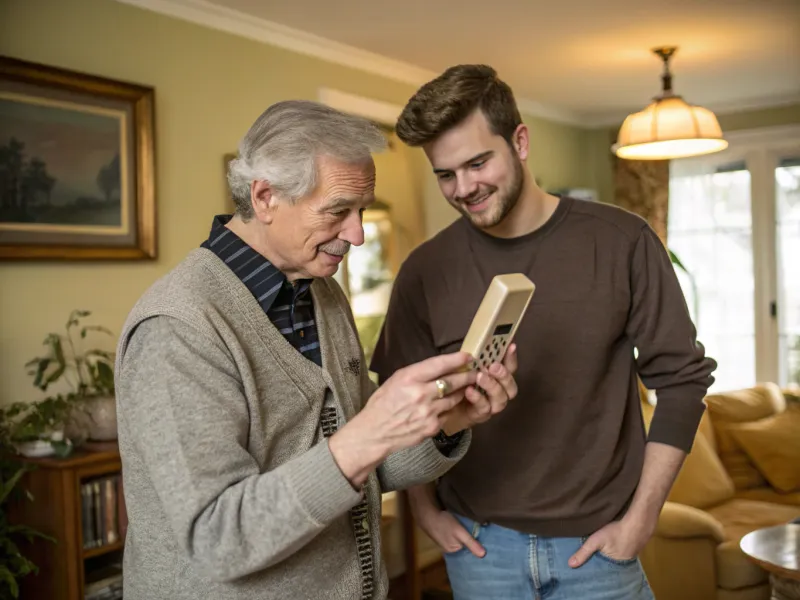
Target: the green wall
(210, 86)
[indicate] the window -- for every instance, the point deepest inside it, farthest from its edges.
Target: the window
(734, 223)
(366, 276)
(710, 230)
(787, 186)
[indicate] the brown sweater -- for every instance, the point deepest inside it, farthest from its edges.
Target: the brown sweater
(566, 455)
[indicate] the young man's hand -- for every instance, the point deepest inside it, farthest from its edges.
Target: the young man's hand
(442, 527)
(625, 539)
(621, 540)
(450, 535)
(499, 388)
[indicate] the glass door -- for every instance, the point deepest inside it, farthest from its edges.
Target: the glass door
(711, 232)
(787, 216)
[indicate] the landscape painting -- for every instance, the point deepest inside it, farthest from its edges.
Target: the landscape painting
(60, 167)
(76, 165)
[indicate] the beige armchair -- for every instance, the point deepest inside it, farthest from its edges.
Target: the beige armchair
(743, 474)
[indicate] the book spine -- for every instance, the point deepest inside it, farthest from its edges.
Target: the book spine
(98, 508)
(110, 493)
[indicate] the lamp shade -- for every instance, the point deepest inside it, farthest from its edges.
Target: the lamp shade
(669, 128)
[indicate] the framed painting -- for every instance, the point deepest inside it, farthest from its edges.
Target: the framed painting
(77, 165)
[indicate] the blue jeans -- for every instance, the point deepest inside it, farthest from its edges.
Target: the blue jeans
(518, 566)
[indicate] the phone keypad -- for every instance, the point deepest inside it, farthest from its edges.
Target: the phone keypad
(491, 352)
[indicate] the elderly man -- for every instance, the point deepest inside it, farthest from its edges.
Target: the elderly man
(254, 446)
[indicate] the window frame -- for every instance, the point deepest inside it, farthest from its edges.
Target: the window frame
(761, 150)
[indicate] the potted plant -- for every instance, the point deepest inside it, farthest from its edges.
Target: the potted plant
(89, 372)
(37, 429)
(13, 564)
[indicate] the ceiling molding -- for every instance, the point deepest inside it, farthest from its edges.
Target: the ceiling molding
(207, 14)
(242, 24)
(773, 136)
(615, 119)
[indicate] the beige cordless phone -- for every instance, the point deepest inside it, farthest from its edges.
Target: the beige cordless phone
(498, 317)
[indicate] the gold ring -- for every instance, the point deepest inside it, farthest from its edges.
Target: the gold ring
(442, 388)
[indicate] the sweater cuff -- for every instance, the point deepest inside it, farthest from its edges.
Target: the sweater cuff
(676, 419)
(320, 486)
(432, 461)
(446, 443)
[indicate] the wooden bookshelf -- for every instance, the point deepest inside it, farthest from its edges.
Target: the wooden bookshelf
(57, 510)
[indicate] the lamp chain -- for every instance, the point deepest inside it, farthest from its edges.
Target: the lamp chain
(666, 53)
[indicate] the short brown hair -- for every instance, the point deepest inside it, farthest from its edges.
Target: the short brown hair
(444, 102)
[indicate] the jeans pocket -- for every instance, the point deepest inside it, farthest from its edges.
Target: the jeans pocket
(473, 527)
(620, 562)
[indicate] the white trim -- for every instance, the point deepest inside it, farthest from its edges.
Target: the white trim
(376, 110)
(765, 273)
(207, 14)
(772, 137)
(737, 106)
(615, 118)
(242, 24)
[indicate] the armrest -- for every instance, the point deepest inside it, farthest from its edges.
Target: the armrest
(683, 521)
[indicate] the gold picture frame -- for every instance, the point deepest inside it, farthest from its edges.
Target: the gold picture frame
(77, 165)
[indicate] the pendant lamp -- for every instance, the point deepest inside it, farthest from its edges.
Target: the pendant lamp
(669, 127)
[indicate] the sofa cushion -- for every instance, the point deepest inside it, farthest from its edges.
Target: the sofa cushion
(702, 481)
(741, 406)
(740, 517)
(748, 404)
(735, 570)
(756, 592)
(767, 494)
(773, 444)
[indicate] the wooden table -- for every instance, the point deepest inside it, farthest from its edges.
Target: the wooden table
(777, 550)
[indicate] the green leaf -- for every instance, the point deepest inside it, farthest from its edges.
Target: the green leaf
(40, 371)
(54, 376)
(75, 315)
(29, 533)
(58, 350)
(676, 261)
(62, 448)
(8, 577)
(11, 484)
(105, 374)
(99, 328)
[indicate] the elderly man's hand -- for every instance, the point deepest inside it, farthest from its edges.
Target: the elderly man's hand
(499, 387)
(404, 411)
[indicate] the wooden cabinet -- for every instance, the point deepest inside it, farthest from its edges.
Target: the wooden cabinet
(58, 510)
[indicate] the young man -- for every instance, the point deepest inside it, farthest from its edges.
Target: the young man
(559, 493)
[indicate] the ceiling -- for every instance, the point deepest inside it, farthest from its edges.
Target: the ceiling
(575, 60)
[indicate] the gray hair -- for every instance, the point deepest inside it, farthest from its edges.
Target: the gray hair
(283, 144)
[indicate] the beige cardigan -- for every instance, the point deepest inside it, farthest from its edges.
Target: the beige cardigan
(231, 490)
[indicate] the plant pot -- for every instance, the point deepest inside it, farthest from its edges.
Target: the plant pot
(102, 421)
(41, 447)
(36, 448)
